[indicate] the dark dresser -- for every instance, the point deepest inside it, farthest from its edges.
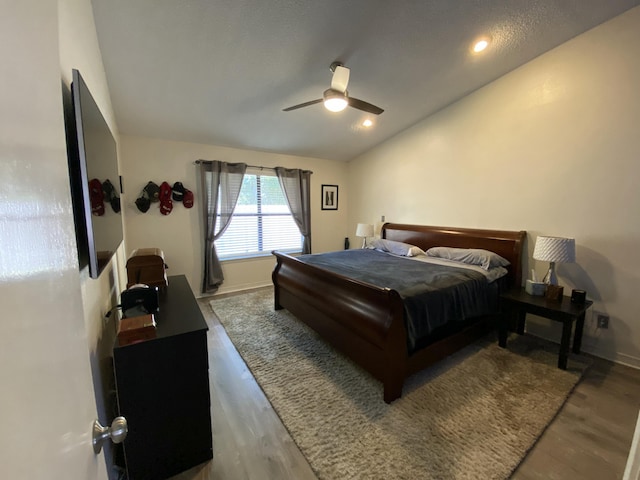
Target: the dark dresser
(163, 390)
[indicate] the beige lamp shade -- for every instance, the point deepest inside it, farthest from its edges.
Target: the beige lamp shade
(554, 250)
(364, 230)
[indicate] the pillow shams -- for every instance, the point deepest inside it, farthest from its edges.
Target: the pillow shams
(397, 248)
(472, 256)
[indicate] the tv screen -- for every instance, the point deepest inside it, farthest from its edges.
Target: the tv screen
(95, 182)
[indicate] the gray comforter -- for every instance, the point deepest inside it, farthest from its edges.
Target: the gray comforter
(433, 295)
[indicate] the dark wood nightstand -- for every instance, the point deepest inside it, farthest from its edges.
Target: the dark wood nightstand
(517, 303)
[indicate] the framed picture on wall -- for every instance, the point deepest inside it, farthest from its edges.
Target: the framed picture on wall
(329, 197)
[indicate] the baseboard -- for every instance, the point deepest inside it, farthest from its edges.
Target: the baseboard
(246, 287)
(621, 358)
(590, 346)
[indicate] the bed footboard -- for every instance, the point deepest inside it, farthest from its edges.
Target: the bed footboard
(362, 321)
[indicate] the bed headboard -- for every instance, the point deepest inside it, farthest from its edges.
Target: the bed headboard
(508, 244)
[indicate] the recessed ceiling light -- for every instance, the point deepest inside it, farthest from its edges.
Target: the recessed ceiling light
(367, 123)
(480, 45)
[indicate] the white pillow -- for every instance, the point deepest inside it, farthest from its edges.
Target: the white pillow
(397, 248)
(472, 256)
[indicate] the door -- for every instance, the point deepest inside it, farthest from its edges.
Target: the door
(47, 404)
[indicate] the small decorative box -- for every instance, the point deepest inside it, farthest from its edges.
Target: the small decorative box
(554, 293)
(535, 288)
(136, 329)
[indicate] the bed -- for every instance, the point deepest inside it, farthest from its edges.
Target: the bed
(368, 323)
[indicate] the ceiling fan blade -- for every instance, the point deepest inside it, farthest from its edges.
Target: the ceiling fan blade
(340, 78)
(364, 106)
(305, 104)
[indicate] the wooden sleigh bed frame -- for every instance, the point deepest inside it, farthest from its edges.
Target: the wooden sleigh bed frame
(366, 322)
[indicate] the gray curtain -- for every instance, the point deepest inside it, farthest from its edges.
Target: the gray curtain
(296, 185)
(219, 180)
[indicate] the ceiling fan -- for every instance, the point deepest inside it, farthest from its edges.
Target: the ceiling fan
(337, 98)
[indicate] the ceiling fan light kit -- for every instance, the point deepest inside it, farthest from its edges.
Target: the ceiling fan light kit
(335, 101)
(336, 98)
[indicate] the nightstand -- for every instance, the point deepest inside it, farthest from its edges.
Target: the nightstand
(517, 303)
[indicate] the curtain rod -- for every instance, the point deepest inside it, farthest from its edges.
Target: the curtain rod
(198, 162)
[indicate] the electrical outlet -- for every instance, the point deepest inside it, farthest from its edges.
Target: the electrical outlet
(602, 320)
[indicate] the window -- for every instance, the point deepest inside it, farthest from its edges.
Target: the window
(261, 221)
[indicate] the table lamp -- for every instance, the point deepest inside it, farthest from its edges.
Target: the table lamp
(364, 230)
(554, 250)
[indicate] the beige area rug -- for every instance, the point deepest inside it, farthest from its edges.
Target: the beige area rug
(473, 415)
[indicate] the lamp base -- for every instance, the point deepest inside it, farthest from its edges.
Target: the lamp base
(550, 278)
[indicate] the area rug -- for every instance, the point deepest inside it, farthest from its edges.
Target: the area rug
(474, 415)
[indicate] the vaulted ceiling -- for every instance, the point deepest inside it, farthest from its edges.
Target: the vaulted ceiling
(221, 71)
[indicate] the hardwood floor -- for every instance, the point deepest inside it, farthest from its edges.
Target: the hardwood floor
(591, 436)
(589, 439)
(249, 440)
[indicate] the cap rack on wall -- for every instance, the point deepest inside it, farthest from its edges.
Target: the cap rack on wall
(165, 195)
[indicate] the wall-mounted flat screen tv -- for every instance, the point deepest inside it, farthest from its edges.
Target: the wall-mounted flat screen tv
(95, 182)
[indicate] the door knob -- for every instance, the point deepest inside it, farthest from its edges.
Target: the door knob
(117, 432)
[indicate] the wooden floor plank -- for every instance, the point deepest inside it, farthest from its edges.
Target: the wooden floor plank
(588, 440)
(249, 440)
(591, 436)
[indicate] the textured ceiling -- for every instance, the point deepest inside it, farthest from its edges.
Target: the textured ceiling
(220, 72)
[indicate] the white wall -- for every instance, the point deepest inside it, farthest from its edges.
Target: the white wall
(552, 148)
(79, 50)
(179, 234)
